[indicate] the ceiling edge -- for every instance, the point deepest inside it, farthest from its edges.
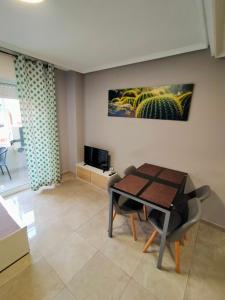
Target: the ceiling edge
(16, 50)
(154, 56)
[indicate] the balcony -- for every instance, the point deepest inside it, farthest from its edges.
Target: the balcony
(13, 167)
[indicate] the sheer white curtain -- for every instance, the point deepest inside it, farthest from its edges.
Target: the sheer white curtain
(9, 113)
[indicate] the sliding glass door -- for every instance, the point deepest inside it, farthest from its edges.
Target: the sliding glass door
(13, 167)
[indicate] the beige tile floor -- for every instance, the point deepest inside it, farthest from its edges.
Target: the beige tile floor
(72, 258)
(19, 178)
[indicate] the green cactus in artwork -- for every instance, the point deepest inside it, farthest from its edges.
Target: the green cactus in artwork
(130, 93)
(142, 97)
(185, 101)
(114, 100)
(160, 107)
(127, 100)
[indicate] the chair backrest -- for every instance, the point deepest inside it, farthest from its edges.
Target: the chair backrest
(194, 215)
(115, 178)
(203, 192)
(3, 153)
(129, 170)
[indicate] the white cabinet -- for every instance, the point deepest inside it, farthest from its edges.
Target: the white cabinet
(13, 237)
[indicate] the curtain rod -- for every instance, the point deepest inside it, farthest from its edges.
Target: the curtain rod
(2, 51)
(15, 54)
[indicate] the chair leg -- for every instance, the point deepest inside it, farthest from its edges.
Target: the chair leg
(8, 172)
(2, 170)
(177, 258)
(139, 217)
(145, 212)
(114, 214)
(150, 240)
(133, 228)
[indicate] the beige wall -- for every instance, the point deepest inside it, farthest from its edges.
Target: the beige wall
(7, 70)
(196, 146)
(74, 84)
(61, 101)
(69, 96)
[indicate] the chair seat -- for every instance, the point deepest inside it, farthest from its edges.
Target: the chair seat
(156, 218)
(130, 206)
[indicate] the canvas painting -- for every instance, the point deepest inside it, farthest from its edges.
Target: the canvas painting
(169, 102)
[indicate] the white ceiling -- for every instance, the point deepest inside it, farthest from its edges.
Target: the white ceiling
(90, 35)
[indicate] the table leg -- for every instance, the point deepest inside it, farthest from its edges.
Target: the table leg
(110, 214)
(163, 239)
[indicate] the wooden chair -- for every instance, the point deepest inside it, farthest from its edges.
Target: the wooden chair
(178, 234)
(124, 206)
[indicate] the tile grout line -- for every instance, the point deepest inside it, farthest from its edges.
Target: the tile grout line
(51, 270)
(148, 290)
(100, 250)
(79, 227)
(120, 270)
(67, 284)
(84, 240)
(191, 261)
(125, 288)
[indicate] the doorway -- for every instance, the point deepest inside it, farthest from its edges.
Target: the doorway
(13, 166)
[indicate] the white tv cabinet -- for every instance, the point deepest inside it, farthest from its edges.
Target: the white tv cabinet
(13, 237)
(93, 175)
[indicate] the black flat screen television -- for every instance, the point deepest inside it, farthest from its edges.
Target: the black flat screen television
(97, 158)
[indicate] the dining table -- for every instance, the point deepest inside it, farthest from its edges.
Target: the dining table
(154, 186)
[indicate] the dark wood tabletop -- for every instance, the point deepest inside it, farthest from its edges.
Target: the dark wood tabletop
(153, 183)
(133, 184)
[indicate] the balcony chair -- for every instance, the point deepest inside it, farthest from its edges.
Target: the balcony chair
(3, 155)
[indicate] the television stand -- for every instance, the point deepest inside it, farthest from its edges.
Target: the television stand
(95, 176)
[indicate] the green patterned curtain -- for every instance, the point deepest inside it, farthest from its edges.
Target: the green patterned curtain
(36, 90)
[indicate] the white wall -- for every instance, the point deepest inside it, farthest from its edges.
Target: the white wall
(196, 146)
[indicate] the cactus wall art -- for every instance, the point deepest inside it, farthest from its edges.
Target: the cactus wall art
(169, 102)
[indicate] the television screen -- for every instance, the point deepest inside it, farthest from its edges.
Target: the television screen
(96, 157)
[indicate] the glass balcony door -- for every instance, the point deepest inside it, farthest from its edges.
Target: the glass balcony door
(13, 167)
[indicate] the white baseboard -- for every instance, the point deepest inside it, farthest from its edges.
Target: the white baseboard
(213, 224)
